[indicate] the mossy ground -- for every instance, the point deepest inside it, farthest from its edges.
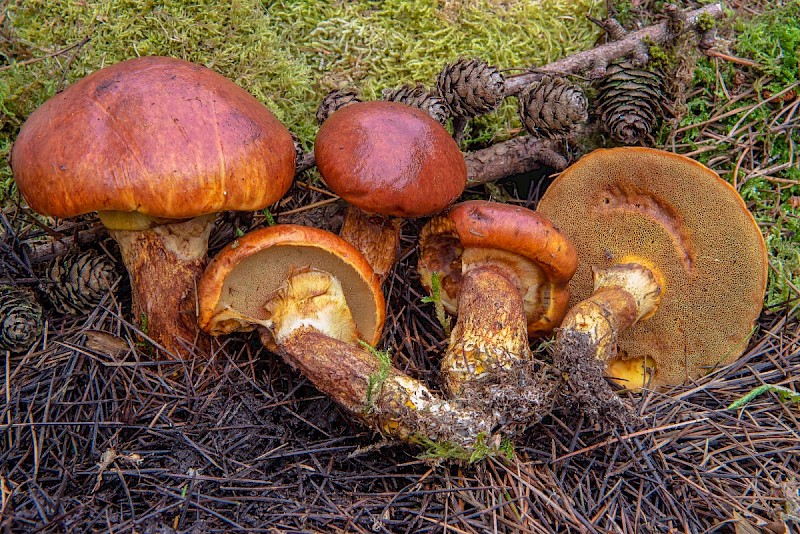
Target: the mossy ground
(286, 53)
(756, 146)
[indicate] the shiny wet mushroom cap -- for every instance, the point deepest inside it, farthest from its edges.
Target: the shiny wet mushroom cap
(691, 230)
(387, 160)
(156, 146)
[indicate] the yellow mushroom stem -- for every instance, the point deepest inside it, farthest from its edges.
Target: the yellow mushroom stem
(491, 330)
(623, 294)
(376, 236)
(164, 259)
(311, 327)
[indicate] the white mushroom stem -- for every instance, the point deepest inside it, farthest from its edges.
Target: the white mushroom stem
(376, 236)
(491, 330)
(623, 294)
(164, 263)
(312, 328)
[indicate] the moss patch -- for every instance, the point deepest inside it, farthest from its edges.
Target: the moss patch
(755, 147)
(288, 54)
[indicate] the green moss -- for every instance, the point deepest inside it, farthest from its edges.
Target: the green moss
(287, 53)
(705, 22)
(439, 451)
(773, 41)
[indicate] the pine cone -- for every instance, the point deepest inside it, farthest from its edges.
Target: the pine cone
(630, 103)
(335, 100)
(421, 98)
(552, 107)
(20, 319)
(77, 282)
(471, 87)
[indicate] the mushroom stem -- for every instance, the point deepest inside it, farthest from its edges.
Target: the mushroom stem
(164, 264)
(491, 330)
(376, 236)
(383, 397)
(623, 295)
(311, 327)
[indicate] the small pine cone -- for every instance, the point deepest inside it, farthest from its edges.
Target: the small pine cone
(630, 103)
(335, 100)
(421, 98)
(471, 87)
(77, 282)
(552, 107)
(20, 319)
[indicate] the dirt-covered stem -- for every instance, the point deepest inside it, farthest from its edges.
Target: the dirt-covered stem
(491, 330)
(164, 264)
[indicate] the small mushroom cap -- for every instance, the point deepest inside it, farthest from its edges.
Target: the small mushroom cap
(154, 135)
(390, 158)
(524, 241)
(682, 220)
(245, 274)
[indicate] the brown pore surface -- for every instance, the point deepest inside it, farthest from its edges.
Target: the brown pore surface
(528, 242)
(390, 158)
(156, 135)
(680, 218)
(246, 272)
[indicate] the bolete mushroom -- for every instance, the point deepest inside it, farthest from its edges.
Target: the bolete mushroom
(387, 160)
(316, 301)
(504, 269)
(156, 146)
(673, 267)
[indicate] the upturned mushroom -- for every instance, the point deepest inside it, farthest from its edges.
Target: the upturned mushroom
(316, 302)
(673, 268)
(387, 161)
(504, 270)
(156, 146)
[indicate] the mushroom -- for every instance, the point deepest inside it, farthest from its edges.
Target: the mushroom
(673, 267)
(387, 160)
(316, 302)
(504, 269)
(156, 146)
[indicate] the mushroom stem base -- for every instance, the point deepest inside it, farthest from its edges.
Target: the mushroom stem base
(377, 237)
(587, 339)
(623, 294)
(491, 330)
(386, 399)
(164, 264)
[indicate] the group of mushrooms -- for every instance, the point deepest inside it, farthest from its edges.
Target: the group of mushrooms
(647, 265)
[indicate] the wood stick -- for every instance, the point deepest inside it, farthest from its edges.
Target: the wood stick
(590, 60)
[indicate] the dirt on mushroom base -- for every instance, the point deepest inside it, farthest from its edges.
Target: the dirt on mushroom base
(268, 451)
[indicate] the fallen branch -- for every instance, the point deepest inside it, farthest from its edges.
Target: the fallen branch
(595, 60)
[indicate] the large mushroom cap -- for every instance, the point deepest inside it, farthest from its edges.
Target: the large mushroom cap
(683, 221)
(390, 158)
(246, 273)
(542, 258)
(155, 135)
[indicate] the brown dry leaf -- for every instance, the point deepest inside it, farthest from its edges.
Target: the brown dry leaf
(104, 343)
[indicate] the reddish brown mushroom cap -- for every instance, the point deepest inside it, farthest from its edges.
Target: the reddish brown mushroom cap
(689, 227)
(242, 277)
(390, 158)
(154, 135)
(525, 234)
